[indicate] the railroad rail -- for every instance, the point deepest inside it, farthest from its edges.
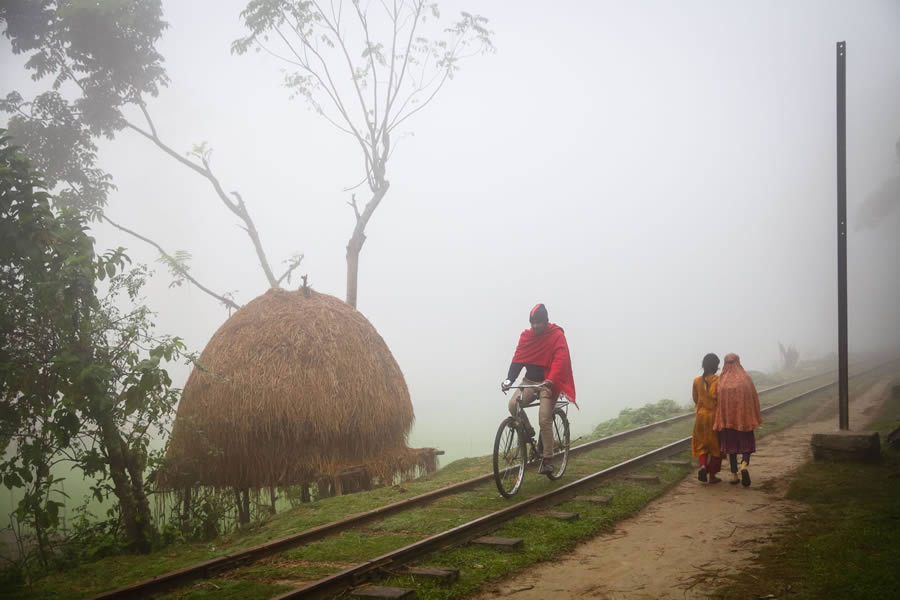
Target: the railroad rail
(348, 578)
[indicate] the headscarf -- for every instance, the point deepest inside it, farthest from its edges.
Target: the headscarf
(738, 406)
(539, 313)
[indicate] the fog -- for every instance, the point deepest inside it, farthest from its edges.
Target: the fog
(661, 175)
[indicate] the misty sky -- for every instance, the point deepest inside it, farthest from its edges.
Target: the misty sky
(661, 175)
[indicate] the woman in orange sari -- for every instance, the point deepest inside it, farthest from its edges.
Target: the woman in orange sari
(737, 415)
(705, 441)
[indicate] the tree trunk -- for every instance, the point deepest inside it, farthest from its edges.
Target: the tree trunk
(43, 540)
(186, 512)
(273, 497)
(126, 471)
(304, 492)
(242, 502)
(354, 246)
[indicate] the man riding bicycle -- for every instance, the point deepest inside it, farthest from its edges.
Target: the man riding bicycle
(544, 353)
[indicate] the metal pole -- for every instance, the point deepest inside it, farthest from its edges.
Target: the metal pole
(843, 374)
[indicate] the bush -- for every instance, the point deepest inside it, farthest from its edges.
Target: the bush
(630, 418)
(92, 539)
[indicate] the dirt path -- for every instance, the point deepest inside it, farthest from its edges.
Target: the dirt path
(683, 542)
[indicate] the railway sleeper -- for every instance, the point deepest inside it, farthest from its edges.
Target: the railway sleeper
(500, 543)
(441, 574)
(381, 591)
(562, 516)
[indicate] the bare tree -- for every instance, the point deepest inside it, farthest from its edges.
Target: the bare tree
(789, 356)
(365, 67)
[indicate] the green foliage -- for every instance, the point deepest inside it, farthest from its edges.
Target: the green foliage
(92, 539)
(81, 380)
(46, 288)
(106, 48)
(630, 418)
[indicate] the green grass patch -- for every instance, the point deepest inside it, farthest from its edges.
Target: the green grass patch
(845, 544)
(282, 569)
(226, 589)
(428, 520)
(350, 546)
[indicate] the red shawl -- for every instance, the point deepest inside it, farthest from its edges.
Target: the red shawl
(550, 351)
(738, 406)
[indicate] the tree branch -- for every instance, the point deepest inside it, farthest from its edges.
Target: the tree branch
(340, 38)
(238, 208)
(409, 41)
(292, 264)
(331, 88)
(355, 207)
(226, 301)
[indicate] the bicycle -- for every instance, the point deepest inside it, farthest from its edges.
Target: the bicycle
(513, 442)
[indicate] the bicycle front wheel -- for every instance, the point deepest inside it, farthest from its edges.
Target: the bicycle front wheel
(509, 458)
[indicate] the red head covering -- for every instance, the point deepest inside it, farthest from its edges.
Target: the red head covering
(738, 406)
(549, 350)
(539, 313)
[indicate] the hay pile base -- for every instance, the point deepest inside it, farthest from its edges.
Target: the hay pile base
(295, 386)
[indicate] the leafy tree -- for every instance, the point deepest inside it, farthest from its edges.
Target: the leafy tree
(81, 380)
(45, 289)
(103, 54)
(364, 71)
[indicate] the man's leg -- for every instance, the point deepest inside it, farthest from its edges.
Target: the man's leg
(545, 420)
(526, 398)
(513, 401)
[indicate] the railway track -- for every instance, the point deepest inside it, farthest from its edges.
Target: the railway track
(350, 577)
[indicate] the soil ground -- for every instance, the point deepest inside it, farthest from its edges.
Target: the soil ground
(682, 544)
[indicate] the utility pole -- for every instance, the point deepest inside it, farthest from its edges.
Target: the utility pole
(843, 374)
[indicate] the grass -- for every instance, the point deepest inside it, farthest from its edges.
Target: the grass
(845, 544)
(545, 537)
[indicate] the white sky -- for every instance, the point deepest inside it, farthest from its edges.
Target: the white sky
(661, 175)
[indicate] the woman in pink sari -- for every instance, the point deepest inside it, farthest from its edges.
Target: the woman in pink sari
(737, 415)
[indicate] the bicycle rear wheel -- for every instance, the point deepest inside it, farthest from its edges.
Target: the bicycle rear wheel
(509, 458)
(560, 444)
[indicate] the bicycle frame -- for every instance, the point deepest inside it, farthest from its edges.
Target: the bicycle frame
(509, 463)
(562, 404)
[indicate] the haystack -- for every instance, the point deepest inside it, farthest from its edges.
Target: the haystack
(294, 386)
